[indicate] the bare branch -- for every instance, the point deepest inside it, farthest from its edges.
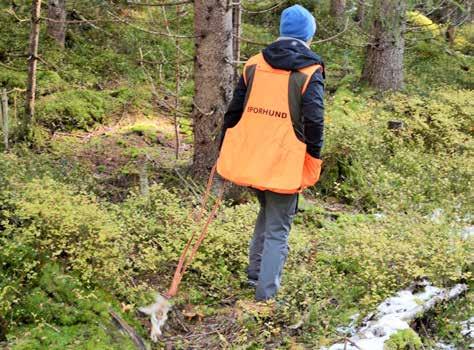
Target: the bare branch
(11, 68)
(245, 40)
(13, 13)
(79, 21)
(273, 7)
(149, 31)
(346, 27)
(171, 3)
(125, 327)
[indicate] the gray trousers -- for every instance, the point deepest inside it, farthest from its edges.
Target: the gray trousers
(269, 246)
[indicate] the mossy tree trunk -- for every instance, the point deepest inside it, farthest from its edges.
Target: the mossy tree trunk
(56, 27)
(213, 76)
(383, 67)
(32, 62)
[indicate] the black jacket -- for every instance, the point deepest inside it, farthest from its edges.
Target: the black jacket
(289, 54)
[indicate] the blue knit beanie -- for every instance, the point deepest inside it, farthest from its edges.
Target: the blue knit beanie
(297, 22)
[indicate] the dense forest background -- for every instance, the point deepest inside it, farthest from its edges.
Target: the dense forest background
(110, 121)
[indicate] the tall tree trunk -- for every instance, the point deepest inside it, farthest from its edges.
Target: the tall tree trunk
(213, 76)
(383, 67)
(337, 10)
(236, 33)
(32, 61)
(361, 12)
(56, 20)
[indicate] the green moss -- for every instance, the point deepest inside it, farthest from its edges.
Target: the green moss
(74, 109)
(59, 313)
(147, 130)
(12, 79)
(49, 82)
(406, 339)
(87, 336)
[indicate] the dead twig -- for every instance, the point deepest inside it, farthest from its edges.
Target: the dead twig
(271, 8)
(347, 340)
(171, 3)
(346, 27)
(150, 31)
(245, 40)
(125, 327)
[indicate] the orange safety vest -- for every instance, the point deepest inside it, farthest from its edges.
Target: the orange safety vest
(263, 151)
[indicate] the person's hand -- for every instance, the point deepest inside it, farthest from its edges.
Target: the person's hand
(311, 171)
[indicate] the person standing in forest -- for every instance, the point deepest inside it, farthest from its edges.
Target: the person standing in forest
(272, 138)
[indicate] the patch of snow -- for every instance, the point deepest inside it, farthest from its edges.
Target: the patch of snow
(437, 216)
(395, 314)
(349, 330)
(468, 328)
(379, 216)
(442, 346)
(467, 232)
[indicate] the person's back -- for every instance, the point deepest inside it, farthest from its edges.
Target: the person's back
(272, 139)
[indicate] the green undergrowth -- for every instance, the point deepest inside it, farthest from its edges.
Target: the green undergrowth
(422, 166)
(59, 313)
(355, 261)
(99, 74)
(338, 263)
(78, 237)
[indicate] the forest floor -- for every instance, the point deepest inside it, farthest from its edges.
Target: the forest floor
(113, 155)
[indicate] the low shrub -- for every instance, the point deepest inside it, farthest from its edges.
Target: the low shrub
(423, 24)
(464, 40)
(45, 221)
(423, 166)
(158, 227)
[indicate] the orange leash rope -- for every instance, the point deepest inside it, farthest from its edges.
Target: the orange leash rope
(185, 259)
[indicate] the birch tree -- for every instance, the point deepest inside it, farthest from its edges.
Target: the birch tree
(32, 62)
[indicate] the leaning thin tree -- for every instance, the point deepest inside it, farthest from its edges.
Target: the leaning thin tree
(213, 75)
(32, 62)
(383, 67)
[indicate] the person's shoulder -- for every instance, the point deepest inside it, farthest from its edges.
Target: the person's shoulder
(318, 64)
(254, 59)
(316, 57)
(317, 68)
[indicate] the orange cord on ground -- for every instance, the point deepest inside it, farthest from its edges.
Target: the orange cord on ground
(185, 259)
